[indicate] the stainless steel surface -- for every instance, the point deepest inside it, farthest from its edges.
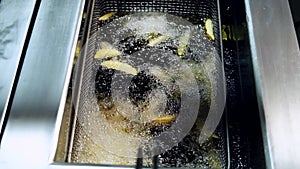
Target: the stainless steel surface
(15, 17)
(276, 60)
(30, 132)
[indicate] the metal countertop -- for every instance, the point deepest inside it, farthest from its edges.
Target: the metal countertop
(276, 60)
(30, 131)
(15, 18)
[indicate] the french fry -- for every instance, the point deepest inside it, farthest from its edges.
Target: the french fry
(107, 16)
(209, 29)
(183, 42)
(117, 65)
(166, 119)
(157, 40)
(107, 53)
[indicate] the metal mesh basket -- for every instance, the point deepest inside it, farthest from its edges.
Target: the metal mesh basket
(184, 8)
(84, 148)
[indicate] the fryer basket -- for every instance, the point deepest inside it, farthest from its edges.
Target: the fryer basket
(84, 78)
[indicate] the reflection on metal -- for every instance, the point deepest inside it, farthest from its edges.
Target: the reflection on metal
(13, 31)
(276, 60)
(231, 32)
(27, 142)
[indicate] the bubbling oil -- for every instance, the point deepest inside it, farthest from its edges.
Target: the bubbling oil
(121, 106)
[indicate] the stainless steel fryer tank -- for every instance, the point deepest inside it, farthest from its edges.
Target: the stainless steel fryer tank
(32, 115)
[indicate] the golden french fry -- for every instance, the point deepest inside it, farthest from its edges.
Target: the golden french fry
(107, 53)
(183, 42)
(124, 67)
(209, 29)
(166, 119)
(107, 16)
(157, 40)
